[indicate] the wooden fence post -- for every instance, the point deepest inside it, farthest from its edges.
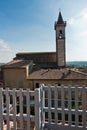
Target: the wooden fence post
(37, 110)
(42, 105)
(14, 110)
(1, 109)
(21, 110)
(28, 109)
(7, 106)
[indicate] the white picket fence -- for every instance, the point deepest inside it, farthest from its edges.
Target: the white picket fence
(16, 97)
(50, 107)
(65, 107)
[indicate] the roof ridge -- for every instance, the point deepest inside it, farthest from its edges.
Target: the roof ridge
(77, 71)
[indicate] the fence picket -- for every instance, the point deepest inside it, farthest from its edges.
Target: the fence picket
(21, 110)
(37, 110)
(28, 109)
(60, 116)
(1, 107)
(56, 104)
(14, 110)
(63, 112)
(49, 104)
(7, 105)
(69, 105)
(76, 106)
(84, 92)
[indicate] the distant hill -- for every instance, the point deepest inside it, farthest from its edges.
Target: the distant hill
(82, 64)
(2, 64)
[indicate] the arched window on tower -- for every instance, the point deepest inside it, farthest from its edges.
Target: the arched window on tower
(60, 34)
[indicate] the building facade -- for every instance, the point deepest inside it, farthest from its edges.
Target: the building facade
(28, 70)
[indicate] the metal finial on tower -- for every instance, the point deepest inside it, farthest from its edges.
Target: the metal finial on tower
(59, 9)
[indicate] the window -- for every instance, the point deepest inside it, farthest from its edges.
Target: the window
(59, 84)
(37, 85)
(60, 33)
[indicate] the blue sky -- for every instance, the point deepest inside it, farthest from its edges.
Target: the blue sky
(28, 26)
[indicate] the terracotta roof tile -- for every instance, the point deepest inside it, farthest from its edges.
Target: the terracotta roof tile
(17, 63)
(39, 72)
(57, 74)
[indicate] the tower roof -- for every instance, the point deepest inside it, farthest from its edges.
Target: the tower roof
(60, 19)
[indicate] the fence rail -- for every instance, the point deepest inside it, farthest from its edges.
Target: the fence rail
(48, 107)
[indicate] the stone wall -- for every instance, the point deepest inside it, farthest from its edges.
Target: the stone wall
(37, 57)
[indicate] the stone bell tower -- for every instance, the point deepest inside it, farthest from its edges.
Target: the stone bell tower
(60, 41)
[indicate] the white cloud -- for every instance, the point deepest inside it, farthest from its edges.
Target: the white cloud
(6, 53)
(71, 21)
(83, 34)
(84, 14)
(79, 19)
(78, 26)
(4, 46)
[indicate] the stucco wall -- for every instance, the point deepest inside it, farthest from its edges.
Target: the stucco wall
(15, 77)
(57, 82)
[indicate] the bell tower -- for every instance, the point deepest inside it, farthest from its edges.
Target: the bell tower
(60, 41)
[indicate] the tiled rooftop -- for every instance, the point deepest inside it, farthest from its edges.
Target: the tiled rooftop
(47, 70)
(17, 63)
(63, 73)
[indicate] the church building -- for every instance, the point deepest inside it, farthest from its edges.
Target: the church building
(28, 70)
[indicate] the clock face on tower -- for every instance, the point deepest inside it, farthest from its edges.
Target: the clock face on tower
(60, 34)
